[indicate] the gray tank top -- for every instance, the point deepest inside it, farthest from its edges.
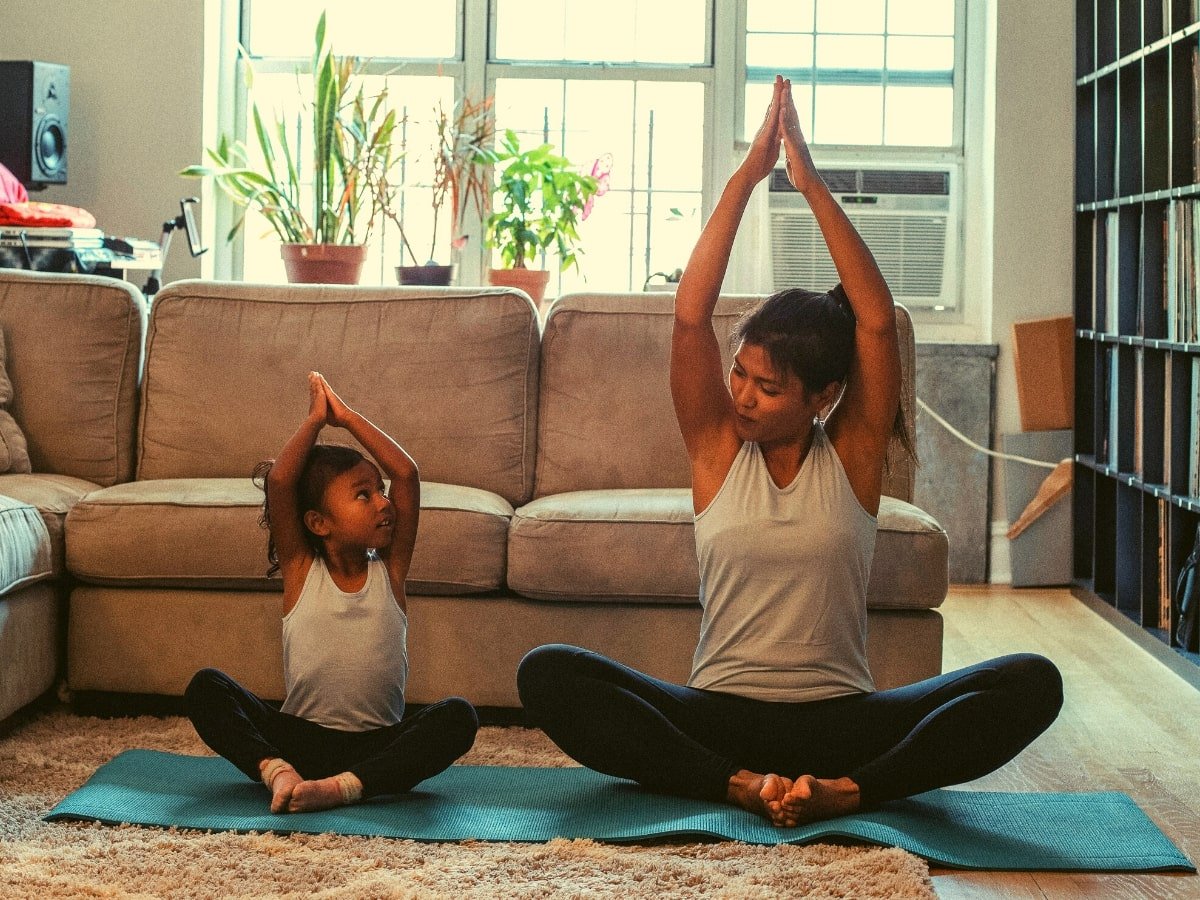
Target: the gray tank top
(783, 581)
(345, 656)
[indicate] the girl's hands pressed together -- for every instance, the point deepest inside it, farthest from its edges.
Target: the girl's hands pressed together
(318, 406)
(338, 412)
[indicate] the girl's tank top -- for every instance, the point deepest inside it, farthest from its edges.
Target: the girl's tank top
(783, 581)
(345, 656)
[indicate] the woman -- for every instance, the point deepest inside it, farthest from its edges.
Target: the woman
(780, 715)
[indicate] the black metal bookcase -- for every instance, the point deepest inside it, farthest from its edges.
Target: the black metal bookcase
(1137, 351)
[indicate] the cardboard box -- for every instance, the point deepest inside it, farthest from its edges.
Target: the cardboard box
(1044, 356)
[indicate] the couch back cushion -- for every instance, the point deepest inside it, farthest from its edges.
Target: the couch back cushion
(74, 354)
(450, 374)
(605, 417)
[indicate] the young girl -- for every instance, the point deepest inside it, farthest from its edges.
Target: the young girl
(343, 546)
(780, 715)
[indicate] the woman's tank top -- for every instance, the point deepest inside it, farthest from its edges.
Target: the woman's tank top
(345, 656)
(783, 581)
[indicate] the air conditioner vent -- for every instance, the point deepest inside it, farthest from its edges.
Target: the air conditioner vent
(872, 181)
(885, 181)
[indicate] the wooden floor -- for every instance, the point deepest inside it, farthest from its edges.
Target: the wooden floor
(1129, 723)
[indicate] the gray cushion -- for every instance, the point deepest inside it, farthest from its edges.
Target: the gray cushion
(639, 545)
(450, 373)
(24, 546)
(204, 532)
(74, 356)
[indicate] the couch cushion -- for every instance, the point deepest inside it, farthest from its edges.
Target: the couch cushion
(605, 417)
(450, 373)
(24, 546)
(638, 544)
(74, 356)
(53, 495)
(204, 532)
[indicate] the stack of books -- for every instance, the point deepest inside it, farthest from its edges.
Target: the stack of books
(51, 238)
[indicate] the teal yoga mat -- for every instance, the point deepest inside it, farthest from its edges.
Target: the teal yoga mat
(963, 829)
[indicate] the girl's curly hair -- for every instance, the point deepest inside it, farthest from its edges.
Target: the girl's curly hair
(323, 463)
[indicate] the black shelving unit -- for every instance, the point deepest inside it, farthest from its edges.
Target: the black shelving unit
(1137, 359)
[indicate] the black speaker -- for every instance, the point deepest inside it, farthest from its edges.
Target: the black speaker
(34, 97)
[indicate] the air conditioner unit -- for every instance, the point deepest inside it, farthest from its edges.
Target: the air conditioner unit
(909, 218)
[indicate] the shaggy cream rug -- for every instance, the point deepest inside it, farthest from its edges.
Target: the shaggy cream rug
(43, 760)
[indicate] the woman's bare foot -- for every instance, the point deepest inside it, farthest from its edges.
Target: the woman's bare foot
(760, 794)
(812, 799)
(325, 793)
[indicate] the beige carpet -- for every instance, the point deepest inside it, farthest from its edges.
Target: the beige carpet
(44, 759)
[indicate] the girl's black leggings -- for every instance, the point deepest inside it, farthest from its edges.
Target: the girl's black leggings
(686, 741)
(246, 730)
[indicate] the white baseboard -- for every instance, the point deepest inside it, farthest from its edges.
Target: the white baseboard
(1000, 568)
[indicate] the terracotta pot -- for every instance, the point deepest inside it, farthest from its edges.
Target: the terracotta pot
(427, 274)
(323, 263)
(531, 281)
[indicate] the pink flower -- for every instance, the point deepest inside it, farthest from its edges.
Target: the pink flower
(601, 170)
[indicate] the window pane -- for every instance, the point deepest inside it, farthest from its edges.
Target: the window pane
(779, 51)
(921, 16)
(921, 54)
(848, 114)
(614, 31)
(919, 116)
(758, 98)
(849, 52)
(372, 28)
(859, 17)
(773, 15)
(649, 136)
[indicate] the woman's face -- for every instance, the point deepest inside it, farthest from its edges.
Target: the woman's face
(770, 405)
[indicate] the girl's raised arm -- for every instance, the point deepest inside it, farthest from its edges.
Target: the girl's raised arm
(702, 405)
(287, 525)
(863, 420)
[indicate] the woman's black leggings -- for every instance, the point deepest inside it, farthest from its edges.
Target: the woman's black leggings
(246, 730)
(686, 741)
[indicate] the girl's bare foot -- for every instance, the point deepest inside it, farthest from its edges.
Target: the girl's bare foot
(760, 794)
(281, 779)
(812, 799)
(325, 793)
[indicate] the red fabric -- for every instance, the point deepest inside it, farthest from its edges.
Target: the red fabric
(45, 215)
(11, 190)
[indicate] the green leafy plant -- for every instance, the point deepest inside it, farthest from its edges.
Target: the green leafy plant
(459, 157)
(351, 157)
(541, 199)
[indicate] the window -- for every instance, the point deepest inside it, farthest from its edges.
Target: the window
(622, 86)
(882, 73)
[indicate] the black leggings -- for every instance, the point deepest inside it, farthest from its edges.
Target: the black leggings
(246, 730)
(687, 741)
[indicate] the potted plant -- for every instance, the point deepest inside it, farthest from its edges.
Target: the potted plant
(324, 235)
(542, 199)
(459, 157)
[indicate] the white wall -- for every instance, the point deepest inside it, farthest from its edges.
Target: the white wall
(137, 80)
(1033, 135)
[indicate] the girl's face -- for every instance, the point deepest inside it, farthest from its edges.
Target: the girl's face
(356, 512)
(770, 405)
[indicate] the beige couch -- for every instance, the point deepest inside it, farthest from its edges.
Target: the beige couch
(74, 348)
(554, 489)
